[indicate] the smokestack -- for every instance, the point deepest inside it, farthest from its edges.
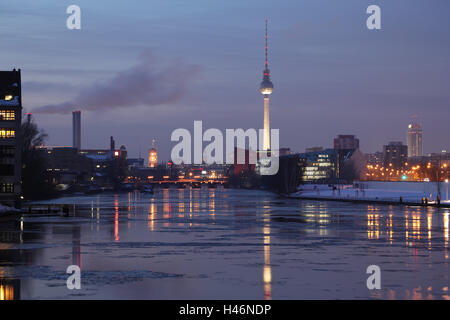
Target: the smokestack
(76, 127)
(112, 143)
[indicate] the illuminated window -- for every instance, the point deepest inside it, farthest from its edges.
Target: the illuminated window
(7, 115)
(6, 188)
(8, 97)
(6, 133)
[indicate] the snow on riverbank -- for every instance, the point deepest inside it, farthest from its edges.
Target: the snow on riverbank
(350, 192)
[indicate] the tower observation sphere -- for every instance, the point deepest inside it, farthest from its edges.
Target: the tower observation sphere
(266, 87)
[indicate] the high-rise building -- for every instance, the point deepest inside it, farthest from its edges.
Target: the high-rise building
(76, 127)
(152, 156)
(10, 141)
(395, 155)
(346, 142)
(414, 140)
(266, 89)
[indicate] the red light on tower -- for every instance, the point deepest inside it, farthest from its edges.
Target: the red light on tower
(116, 153)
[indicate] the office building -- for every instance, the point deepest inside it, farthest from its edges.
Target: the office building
(395, 155)
(414, 140)
(10, 143)
(346, 142)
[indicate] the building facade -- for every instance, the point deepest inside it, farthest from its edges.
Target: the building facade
(376, 158)
(414, 140)
(66, 166)
(395, 155)
(346, 142)
(152, 156)
(10, 136)
(318, 166)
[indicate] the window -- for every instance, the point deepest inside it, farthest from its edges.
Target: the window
(7, 133)
(7, 115)
(7, 151)
(7, 169)
(6, 188)
(8, 97)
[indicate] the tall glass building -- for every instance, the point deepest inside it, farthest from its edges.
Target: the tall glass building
(414, 140)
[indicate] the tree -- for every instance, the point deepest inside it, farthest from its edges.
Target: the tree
(36, 183)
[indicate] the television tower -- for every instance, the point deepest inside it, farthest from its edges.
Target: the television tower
(266, 89)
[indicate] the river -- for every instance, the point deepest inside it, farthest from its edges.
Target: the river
(225, 244)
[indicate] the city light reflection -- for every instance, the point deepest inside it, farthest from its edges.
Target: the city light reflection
(151, 215)
(267, 270)
(116, 218)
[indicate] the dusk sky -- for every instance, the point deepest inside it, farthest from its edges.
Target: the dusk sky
(203, 60)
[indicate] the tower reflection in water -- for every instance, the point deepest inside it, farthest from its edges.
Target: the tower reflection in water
(267, 270)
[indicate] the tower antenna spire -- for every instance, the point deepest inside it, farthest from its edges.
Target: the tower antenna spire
(267, 47)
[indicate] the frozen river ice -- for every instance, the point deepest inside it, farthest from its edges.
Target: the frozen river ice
(225, 244)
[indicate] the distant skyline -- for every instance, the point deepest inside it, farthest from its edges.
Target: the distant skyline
(203, 60)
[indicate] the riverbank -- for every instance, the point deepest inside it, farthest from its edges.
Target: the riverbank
(358, 194)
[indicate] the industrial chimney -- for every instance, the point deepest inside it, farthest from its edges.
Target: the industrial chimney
(76, 127)
(112, 143)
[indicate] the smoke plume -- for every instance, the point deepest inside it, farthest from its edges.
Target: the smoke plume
(146, 84)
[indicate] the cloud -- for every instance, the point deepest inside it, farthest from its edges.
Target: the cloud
(148, 83)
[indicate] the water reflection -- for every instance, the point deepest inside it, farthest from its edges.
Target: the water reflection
(216, 235)
(446, 226)
(151, 215)
(76, 246)
(418, 224)
(9, 289)
(267, 270)
(116, 218)
(373, 226)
